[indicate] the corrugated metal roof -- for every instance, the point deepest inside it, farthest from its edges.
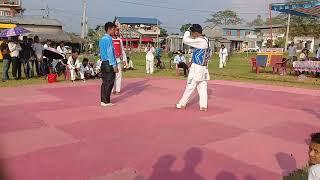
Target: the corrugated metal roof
(138, 20)
(305, 8)
(30, 20)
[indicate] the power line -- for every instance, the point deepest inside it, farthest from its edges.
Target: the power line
(173, 8)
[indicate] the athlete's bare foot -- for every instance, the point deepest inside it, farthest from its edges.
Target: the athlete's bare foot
(204, 109)
(179, 106)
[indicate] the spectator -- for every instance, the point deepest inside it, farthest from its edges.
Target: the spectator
(223, 54)
(38, 49)
(6, 60)
(181, 62)
(149, 59)
(158, 57)
(129, 64)
(303, 55)
(48, 44)
(15, 48)
(25, 56)
(318, 52)
(86, 71)
(62, 49)
(74, 64)
(292, 50)
(314, 157)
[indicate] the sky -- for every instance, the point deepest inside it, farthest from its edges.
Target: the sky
(68, 12)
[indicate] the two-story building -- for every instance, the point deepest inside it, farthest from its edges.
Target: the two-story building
(239, 38)
(10, 8)
(138, 32)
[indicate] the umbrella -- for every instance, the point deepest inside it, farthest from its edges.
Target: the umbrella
(14, 32)
(52, 53)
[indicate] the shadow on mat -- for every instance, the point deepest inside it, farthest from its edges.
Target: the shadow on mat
(163, 168)
(132, 89)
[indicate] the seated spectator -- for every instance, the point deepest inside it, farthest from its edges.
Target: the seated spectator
(303, 55)
(180, 62)
(97, 68)
(74, 64)
(86, 71)
(129, 65)
(314, 157)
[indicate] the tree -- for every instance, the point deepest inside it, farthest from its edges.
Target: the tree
(257, 22)
(226, 17)
(163, 32)
(185, 27)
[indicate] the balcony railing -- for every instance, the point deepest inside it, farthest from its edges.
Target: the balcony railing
(10, 2)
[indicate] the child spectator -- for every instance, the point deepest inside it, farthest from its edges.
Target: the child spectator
(86, 71)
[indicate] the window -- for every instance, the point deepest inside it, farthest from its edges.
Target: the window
(228, 33)
(5, 13)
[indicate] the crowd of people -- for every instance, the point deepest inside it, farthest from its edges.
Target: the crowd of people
(27, 56)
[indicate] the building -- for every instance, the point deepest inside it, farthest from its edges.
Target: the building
(137, 32)
(241, 38)
(279, 32)
(10, 8)
(43, 27)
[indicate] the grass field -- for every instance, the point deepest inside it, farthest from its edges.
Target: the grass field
(238, 69)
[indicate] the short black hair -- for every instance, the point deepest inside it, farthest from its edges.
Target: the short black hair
(128, 57)
(315, 137)
(75, 50)
(109, 25)
(85, 60)
(196, 28)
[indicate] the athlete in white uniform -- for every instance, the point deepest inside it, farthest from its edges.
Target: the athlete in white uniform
(198, 73)
(223, 54)
(121, 58)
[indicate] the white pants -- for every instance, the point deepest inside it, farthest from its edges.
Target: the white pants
(118, 80)
(73, 74)
(130, 65)
(223, 62)
(149, 67)
(198, 76)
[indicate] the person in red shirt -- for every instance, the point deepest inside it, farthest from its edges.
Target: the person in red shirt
(121, 60)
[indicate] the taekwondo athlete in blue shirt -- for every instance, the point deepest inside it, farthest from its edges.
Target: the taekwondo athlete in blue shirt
(198, 73)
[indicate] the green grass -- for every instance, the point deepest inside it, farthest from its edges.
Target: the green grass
(238, 69)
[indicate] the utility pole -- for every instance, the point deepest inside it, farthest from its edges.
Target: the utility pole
(84, 19)
(287, 33)
(157, 33)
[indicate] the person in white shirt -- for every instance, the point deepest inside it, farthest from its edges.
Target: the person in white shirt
(74, 64)
(149, 58)
(223, 54)
(318, 52)
(15, 49)
(86, 71)
(198, 73)
(181, 62)
(129, 65)
(62, 49)
(314, 157)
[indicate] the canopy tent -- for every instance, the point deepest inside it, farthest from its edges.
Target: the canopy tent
(304, 8)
